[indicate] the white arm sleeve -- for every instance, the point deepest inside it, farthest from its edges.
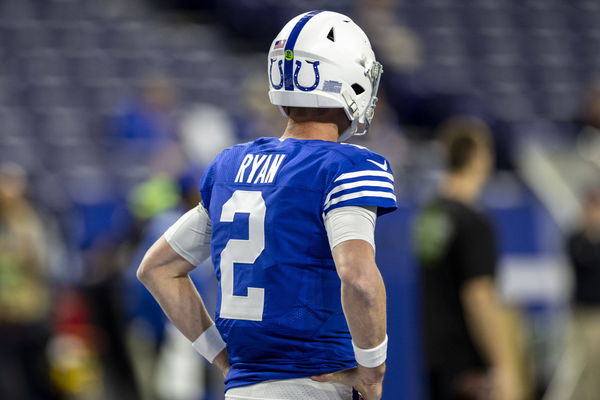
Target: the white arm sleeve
(351, 222)
(190, 235)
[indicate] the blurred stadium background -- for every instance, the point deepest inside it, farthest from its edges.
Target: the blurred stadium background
(109, 110)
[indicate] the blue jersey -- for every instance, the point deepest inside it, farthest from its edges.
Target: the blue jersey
(279, 307)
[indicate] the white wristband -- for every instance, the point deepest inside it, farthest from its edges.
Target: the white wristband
(371, 358)
(209, 344)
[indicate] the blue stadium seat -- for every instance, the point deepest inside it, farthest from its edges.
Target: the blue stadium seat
(21, 153)
(75, 36)
(17, 10)
(49, 93)
(25, 36)
(63, 126)
(15, 125)
(10, 92)
(92, 65)
(105, 96)
(44, 63)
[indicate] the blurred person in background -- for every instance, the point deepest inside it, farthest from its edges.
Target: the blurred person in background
(587, 127)
(144, 143)
(103, 227)
(25, 291)
(258, 117)
(577, 375)
(145, 123)
(166, 366)
(146, 130)
(469, 354)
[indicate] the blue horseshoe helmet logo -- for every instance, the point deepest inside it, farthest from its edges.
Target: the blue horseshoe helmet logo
(280, 85)
(315, 65)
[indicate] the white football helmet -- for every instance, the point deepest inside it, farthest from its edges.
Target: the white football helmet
(323, 59)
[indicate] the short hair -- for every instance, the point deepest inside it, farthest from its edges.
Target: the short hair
(314, 114)
(461, 137)
(305, 112)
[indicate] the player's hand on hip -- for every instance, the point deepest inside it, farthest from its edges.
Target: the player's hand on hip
(222, 362)
(367, 381)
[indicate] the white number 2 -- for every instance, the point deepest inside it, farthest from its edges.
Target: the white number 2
(248, 307)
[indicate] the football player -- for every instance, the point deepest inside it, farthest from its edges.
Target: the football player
(290, 223)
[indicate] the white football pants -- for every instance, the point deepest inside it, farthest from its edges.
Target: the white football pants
(291, 389)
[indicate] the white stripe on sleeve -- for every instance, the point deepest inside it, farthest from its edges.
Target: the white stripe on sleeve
(364, 193)
(352, 185)
(350, 175)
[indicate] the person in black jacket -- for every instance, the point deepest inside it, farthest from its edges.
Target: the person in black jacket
(466, 337)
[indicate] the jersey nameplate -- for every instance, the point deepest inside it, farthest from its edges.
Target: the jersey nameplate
(259, 168)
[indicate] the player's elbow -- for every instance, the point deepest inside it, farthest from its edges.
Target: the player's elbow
(363, 281)
(142, 272)
(478, 291)
(146, 270)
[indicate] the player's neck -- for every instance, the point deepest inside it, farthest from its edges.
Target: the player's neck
(462, 187)
(311, 130)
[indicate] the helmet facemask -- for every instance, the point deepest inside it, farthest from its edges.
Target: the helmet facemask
(360, 123)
